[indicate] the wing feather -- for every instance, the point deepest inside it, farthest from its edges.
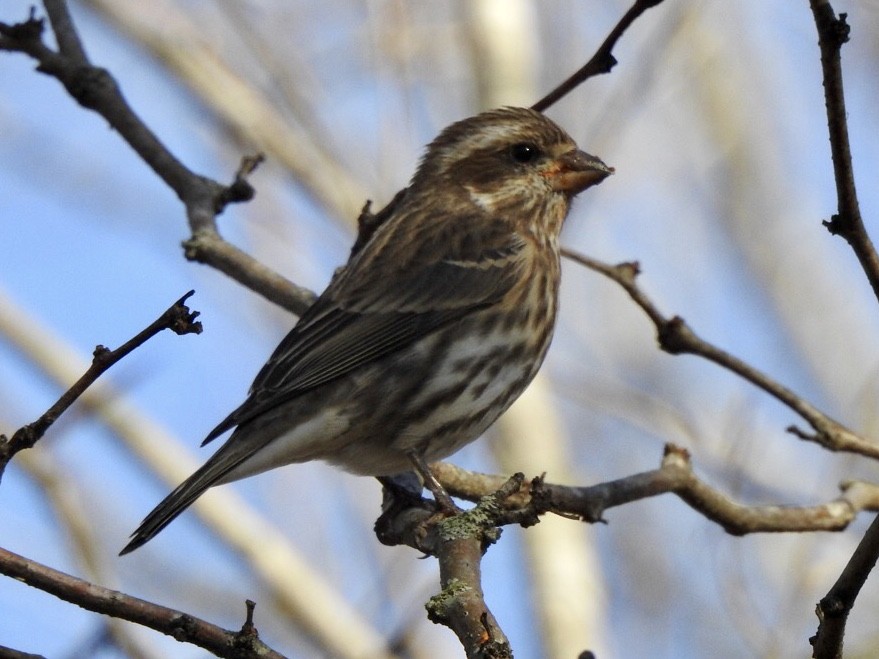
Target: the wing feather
(358, 320)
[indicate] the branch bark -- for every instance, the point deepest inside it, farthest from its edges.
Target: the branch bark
(458, 542)
(676, 337)
(834, 608)
(177, 318)
(833, 32)
(95, 88)
(676, 476)
(182, 626)
(602, 61)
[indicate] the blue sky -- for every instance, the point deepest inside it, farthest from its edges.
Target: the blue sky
(714, 121)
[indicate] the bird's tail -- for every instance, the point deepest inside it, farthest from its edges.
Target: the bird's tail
(212, 472)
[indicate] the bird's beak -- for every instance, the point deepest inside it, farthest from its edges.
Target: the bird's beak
(574, 171)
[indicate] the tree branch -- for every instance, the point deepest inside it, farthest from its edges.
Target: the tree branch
(602, 61)
(69, 43)
(833, 609)
(301, 594)
(676, 337)
(833, 32)
(182, 626)
(178, 318)
(96, 89)
(9, 653)
(675, 476)
(459, 543)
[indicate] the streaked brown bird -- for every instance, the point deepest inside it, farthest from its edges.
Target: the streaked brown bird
(437, 323)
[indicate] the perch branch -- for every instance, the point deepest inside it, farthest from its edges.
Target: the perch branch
(676, 476)
(458, 542)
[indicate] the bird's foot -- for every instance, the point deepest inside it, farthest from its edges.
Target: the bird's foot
(443, 500)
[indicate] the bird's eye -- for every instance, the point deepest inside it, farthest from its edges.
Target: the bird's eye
(524, 152)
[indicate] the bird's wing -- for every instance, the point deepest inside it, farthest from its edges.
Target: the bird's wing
(376, 307)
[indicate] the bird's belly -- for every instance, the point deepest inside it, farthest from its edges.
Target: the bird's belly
(434, 397)
(470, 386)
(447, 389)
(310, 439)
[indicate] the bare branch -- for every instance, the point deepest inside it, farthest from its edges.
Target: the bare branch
(69, 43)
(177, 318)
(676, 337)
(96, 89)
(458, 542)
(181, 626)
(9, 653)
(833, 609)
(209, 247)
(602, 61)
(674, 476)
(301, 594)
(302, 146)
(833, 32)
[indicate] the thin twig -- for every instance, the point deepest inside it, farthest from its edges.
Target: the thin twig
(178, 318)
(833, 32)
(298, 590)
(181, 626)
(602, 61)
(676, 337)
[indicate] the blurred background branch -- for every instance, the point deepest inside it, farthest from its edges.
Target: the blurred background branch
(715, 125)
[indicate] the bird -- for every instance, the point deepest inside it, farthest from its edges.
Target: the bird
(439, 320)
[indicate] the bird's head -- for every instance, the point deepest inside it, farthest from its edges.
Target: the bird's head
(508, 158)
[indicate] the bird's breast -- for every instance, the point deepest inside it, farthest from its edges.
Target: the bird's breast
(480, 365)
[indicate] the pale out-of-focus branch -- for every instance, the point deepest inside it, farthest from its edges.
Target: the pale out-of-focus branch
(563, 562)
(248, 111)
(565, 575)
(65, 498)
